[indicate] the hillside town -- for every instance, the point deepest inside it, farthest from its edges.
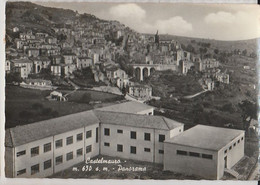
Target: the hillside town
(75, 46)
(80, 88)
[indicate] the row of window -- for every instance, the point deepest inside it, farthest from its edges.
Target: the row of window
(58, 144)
(194, 154)
(133, 135)
(36, 168)
(58, 160)
(35, 150)
(234, 145)
(132, 148)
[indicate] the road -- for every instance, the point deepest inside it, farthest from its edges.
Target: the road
(194, 95)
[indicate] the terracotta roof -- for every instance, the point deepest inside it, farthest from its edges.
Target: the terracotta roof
(206, 137)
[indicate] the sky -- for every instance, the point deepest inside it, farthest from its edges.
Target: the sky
(210, 21)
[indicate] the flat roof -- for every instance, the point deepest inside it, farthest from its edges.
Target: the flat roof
(39, 130)
(127, 107)
(137, 120)
(206, 137)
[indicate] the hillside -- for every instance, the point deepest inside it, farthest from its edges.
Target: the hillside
(27, 15)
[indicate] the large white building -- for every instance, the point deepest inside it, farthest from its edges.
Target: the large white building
(204, 151)
(46, 147)
(127, 130)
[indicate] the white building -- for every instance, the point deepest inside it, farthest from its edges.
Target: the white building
(204, 151)
(46, 147)
(134, 136)
(132, 107)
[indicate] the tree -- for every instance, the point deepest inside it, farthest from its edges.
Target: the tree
(249, 110)
(216, 51)
(244, 52)
(13, 77)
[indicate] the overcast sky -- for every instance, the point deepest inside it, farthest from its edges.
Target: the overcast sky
(221, 22)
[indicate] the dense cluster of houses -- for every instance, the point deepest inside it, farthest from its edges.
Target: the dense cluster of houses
(126, 130)
(75, 45)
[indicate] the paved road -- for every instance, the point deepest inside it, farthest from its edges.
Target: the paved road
(194, 95)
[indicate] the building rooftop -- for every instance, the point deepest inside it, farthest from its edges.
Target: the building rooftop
(28, 133)
(136, 120)
(127, 107)
(206, 137)
(22, 60)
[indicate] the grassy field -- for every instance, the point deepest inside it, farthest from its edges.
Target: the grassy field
(25, 106)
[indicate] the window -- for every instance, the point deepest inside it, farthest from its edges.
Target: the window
(35, 169)
(234, 144)
(230, 147)
(194, 154)
(47, 164)
(58, 143)
(97, 135)
(133, 135)
(88, 134)
(238, 141)
(88, 149)
(80, 152)
(120, 131)
(207, 156)
(107, 131)
(180, 130)
(34, 151)
(120, 148)
(132, 149)
(47, 147)
(147, 149)
(181, 152)
(161, 151)
(147, 136)
(106, 144)
(242, 138)
(20, 172)
(69, 140)
(69, 156)
(161, 138)
(225, 151)
(18, 154)
(79, 137)
(58, 160)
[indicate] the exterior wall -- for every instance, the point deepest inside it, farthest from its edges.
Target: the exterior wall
(124, 139)
(147, 112)
(26, 161)
(176, 131)
(62, 151)
(9, 162)
(56, 70)
(189, 165)
(92, 141)
(233, 155)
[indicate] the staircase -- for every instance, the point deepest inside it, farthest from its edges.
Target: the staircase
(232, 172)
